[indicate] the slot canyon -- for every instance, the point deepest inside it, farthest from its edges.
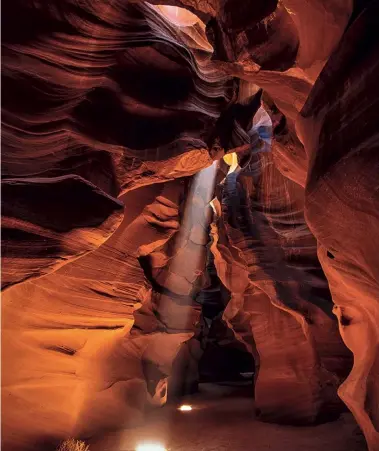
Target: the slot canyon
(190, 225)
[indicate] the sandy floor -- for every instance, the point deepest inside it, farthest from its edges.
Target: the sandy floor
(222, 420)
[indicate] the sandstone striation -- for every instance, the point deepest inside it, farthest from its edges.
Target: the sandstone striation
(134, 255)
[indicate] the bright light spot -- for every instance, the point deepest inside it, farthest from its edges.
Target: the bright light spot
(150, 447)
(178, 16)
(231, 160)
(185, 408)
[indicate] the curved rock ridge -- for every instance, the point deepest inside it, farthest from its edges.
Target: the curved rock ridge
(83, 83)
(48, 222)
(82, 94)
(109, 109)
(67, 335)
(261, 234)
(343, 183)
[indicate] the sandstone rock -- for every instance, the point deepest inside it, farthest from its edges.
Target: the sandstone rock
(122, 103)
(341, 186)
(48, 222)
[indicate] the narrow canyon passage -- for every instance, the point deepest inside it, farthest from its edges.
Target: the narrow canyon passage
(190, 216)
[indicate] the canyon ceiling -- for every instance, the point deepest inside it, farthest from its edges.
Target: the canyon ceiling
(127, 237)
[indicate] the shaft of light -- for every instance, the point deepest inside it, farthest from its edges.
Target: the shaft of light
(193, 231)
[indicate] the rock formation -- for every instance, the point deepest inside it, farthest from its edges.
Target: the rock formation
(128, 239)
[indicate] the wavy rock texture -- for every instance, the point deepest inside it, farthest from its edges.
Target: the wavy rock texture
(49, 221)
(83, 84)
(65, 337)
(107, 104)
(103, 92)
(343, 182)
(282, 297)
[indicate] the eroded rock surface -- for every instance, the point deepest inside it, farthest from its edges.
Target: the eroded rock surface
(109, 109)
(49, 221)
(343, 182)
(283, 295)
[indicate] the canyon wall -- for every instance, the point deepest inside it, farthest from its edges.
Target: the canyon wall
(109, 109)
